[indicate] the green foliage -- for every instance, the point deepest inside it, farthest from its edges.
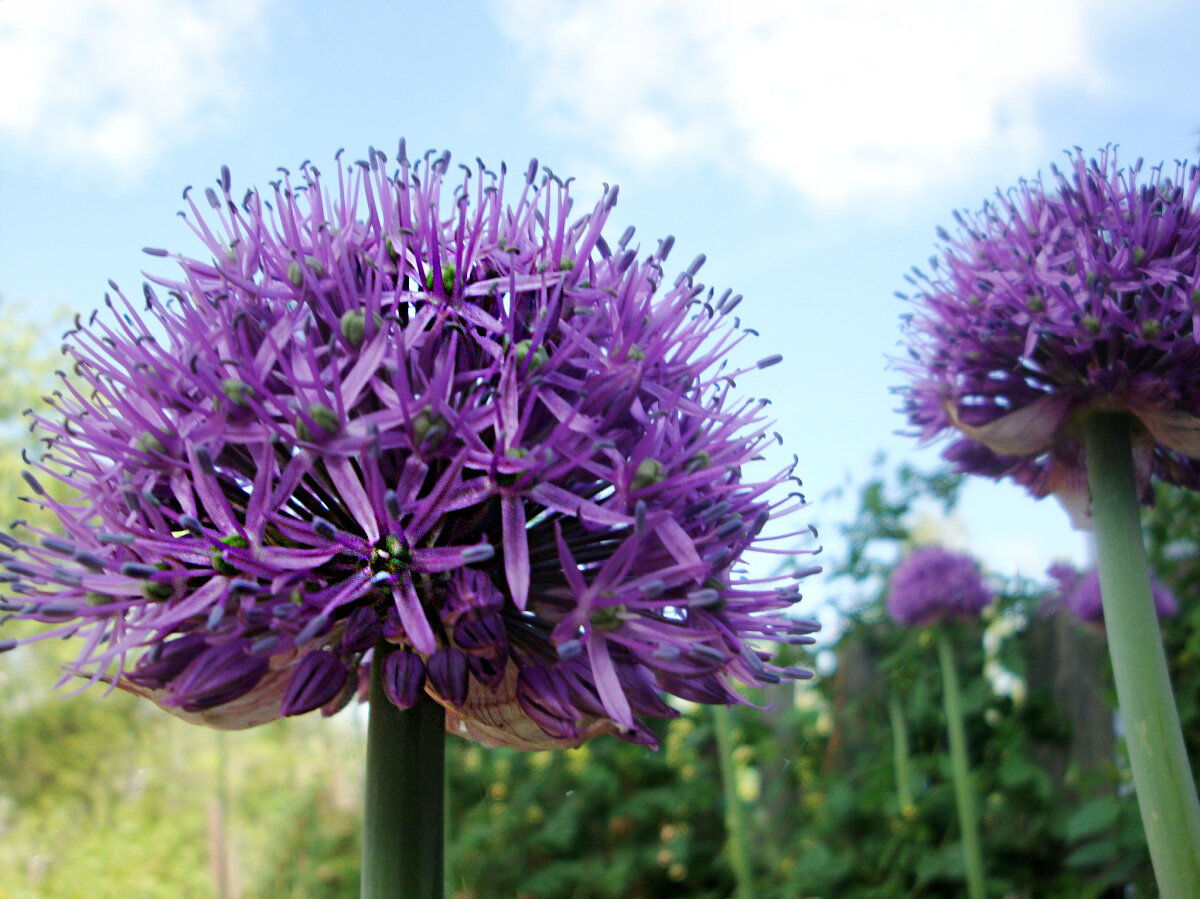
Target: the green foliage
(1078, 835)
(1172, 527)
(315, 853)
(605, 820)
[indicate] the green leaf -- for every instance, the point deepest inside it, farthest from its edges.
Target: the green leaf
(1091, 855)
(1092, 818)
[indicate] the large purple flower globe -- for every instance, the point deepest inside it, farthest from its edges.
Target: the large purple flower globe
(1056, 300)
(401, 420)
(933, 584)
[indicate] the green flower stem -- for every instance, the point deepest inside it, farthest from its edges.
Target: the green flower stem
(403, 836)
(1161, 775)
(900, 754)
(222, 858)
(735, 816)
(968, 818)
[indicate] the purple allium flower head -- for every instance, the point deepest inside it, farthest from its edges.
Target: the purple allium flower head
(932, 584)
(401, 417)
(1054, 299)
(1081, 594)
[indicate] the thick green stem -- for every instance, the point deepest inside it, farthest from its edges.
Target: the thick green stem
(735, 816)
(1161, 774)
(968, 819)
(403, 837)
(900, 755)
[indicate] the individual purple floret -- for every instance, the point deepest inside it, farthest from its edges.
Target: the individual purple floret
(1083, 294)
(402, 417)
(932, 584)
(1081, 594)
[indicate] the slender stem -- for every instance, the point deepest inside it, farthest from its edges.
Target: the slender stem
(222, 863)
(1161, 774)
(968, 819)
(900, 754)
(403, 836)
(735, 816)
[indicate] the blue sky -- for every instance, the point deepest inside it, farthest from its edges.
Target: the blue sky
(809, 148)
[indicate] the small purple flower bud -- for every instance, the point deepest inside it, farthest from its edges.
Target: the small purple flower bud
(317, 678)
(155, 670)
(218, 675)
(543, 697)
(475, 632)
(403, 678)
(448, 674)
(362, 630)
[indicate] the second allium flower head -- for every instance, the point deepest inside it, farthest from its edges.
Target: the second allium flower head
(932, 584)
(473, 431)
(1055, 300)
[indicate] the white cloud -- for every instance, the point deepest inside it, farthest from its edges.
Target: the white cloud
(115, 82)
(835, 98)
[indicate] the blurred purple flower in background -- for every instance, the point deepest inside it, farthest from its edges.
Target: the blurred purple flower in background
(394, 416)
(932, 584)
(1081, 594)
(1050, 301)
